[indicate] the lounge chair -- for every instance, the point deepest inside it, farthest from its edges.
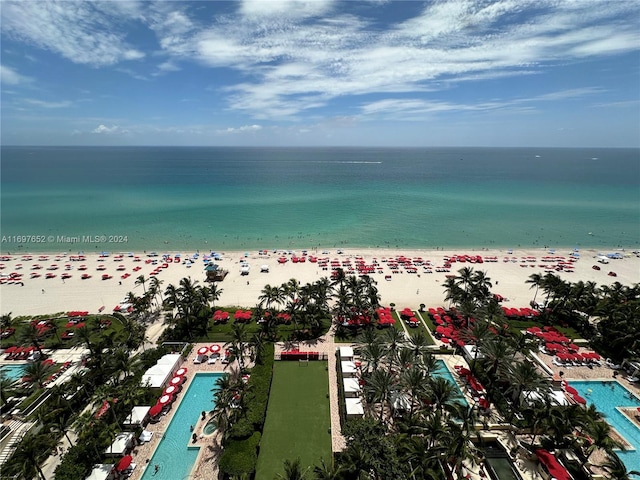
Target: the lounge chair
(633, 379)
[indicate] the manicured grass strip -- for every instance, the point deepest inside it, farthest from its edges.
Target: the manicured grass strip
(298, 419)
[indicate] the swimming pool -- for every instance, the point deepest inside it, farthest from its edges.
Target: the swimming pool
(443, 371)
(174, 458)
(606, 396)
(13, 372)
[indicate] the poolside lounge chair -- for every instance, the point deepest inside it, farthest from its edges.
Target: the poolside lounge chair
(633, 379)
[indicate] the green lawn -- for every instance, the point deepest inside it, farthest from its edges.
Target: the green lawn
(298, 421)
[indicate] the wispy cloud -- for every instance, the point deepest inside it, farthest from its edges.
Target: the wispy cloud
(9, 76)
(45, 104)
(82, 32)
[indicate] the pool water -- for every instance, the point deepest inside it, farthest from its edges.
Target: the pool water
(443, 371)
(606, 396)
(13, 372)
(174, 458)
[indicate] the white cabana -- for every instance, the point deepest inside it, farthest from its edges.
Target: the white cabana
(348, 369)
(351, 387)
(557, 397)
(346, 353)
(101, 471)
(157, 376)
(137, 416)
(471, 352)
(122, 443)
(354, 407)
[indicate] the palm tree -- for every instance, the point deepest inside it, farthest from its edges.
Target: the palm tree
(141, 280)
(37, 373)
(617, 469)
(378, 388)
(600, 434)
(327, 471)
(31, 451)
(535, 280)
(239, 341)
(521, 377)
(293, 471)
(7, 387)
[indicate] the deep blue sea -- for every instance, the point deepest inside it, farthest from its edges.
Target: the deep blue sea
(293, 198)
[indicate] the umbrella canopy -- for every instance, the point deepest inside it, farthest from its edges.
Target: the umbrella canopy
(155, 410)
(215, 348)
(182, 371)
(176, 381)
(124, 463)
(571, 390)
(11, 349)
(165, 399)
(203, 350)
(170, 390)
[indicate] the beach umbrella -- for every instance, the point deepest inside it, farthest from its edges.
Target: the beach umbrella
(215, 348)
(11, 349)
(155, 410)
(176, 381)
(182, 371)
(170, 390)
(579, 399)
(571, 390)
(203, 350)
(124, 463)
(165, 399)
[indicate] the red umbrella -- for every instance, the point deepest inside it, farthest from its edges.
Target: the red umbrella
(170, 390)
(215, 348)
(176, 381)
(165, 399)
(124, 463)
(203, 350)
(155, 410)
(11, 349)
(181, 372)
(579, 399)
(571, 390)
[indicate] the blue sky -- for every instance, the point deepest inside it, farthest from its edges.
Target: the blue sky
(321, 72)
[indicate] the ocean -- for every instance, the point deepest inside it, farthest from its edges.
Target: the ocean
(186, 199)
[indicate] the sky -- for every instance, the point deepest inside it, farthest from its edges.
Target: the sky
(556, 73)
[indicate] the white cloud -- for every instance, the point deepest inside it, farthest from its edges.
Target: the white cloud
(296, 59)
(9, 76)
(82, 32)
(104, 130)
(243, 129)
(285, 8)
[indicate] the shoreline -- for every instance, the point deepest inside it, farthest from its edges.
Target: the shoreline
(401, 285)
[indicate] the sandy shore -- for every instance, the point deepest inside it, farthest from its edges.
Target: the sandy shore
(508, 273)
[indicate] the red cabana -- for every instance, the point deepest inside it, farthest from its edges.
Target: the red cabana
(124, 463)
(555, 469)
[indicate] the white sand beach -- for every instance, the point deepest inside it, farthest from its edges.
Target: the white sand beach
(408, 285)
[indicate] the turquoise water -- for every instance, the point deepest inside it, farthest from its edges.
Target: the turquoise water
(182, 199)
(172, 455)
(606, 396)
(12, 372)
(443, 371)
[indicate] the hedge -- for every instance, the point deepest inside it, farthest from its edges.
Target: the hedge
(240, 456)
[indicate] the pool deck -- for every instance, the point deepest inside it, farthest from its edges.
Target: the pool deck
(206, 465)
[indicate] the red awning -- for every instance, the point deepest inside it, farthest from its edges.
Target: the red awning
(556, 470)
